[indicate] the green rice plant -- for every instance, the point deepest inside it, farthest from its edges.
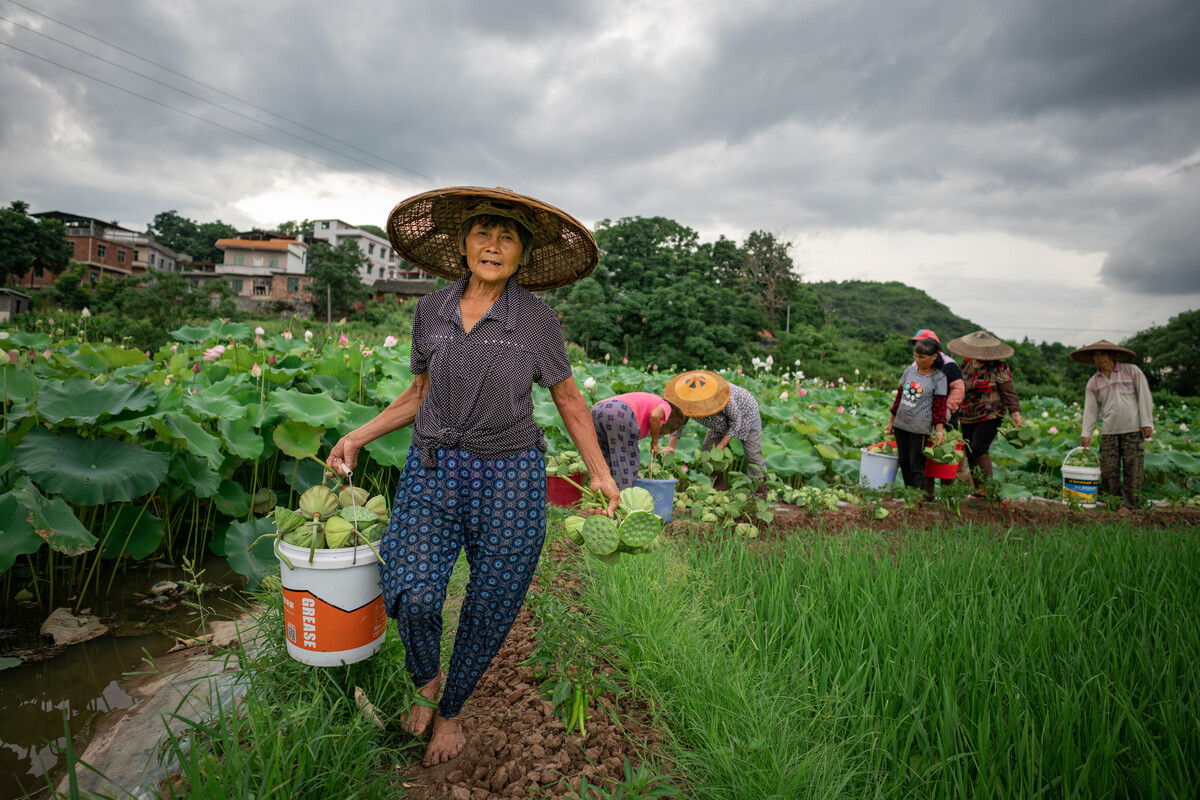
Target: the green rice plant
(955, 663)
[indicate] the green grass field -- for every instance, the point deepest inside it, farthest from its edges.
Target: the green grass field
(958, 663)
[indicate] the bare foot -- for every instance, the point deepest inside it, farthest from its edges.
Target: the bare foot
(447, 741)
(419, 715)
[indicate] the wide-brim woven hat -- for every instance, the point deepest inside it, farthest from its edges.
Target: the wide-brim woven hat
(698, 393)
(981, 346)
(673, 422)
(424, 230)
(1084, 354)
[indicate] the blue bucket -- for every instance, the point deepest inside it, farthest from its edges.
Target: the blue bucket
(663, 492)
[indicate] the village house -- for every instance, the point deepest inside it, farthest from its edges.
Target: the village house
(108, 250)
(265, 270)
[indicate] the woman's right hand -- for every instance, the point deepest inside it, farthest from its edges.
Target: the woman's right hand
(889, 428)
(344, 453)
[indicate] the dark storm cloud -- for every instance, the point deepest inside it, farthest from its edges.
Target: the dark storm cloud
(1162, 256)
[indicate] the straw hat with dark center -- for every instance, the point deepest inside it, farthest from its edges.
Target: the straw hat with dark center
(1084, 354)
(698, 393)
(424, 230)
(981, 346)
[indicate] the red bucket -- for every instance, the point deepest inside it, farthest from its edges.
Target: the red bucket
(946, 472)
(561, 493)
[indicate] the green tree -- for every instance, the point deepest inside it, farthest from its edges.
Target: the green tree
(294, 228)
(27, 243)
(197, 240)
(767, 272)
(1170, 354)
(375, 229)
(335, 270)
(585, 313)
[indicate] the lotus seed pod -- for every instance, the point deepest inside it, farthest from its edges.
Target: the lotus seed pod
(574, 526)
(357, 515)
(339, 532)
(600, 535)
(309, 535)
(318, 501)
(287, 520)
(264, 499)
(378, 504)
(654, 545)
(640, 528)
(374, 531)
(353, 496)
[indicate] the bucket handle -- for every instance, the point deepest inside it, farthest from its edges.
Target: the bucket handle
(1069, 452)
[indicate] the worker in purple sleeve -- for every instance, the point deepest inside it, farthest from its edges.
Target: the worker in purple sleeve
(475, 477)
(1118, 397)
(725, 410)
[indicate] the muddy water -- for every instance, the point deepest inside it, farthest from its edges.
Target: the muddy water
(84, 682)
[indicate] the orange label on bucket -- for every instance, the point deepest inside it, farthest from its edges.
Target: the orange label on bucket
(316, 625)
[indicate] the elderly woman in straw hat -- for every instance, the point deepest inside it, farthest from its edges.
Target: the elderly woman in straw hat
(475, 475)
(989, 396)
(623, 420)
(725, 410)
(1118, 397)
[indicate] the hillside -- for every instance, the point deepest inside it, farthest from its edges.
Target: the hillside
(872, 311)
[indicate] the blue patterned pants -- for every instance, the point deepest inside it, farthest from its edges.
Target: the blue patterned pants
(496, 509)
(618, 433)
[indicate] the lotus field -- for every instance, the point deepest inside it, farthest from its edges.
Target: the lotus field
(111, 453)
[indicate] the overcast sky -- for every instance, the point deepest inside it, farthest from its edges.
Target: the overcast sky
(1033, 165)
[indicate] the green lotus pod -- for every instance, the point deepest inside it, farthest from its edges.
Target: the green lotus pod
(610, 558)
(357, 515)
(308, 535)
(264, 499)
(378, 504)
(636, 498)
(374, 531)
(600, 535)
(574, 526)
(353, 496)
(318, 502)
(653, 545)
(747, 530)
(287, 521)
(640, 528)
(339, 532)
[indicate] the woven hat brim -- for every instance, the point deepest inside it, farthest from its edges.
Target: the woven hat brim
(698, 408)
(981, 348)
(424, 230)
(1084, 354)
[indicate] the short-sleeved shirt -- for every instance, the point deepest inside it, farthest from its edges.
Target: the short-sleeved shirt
(642, 404)
(738, 418)
(914, 413)
(480, 396)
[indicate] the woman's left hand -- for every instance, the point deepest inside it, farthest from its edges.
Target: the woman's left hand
(939, 436)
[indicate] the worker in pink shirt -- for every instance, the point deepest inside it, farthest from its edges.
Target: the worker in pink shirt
(622, 421)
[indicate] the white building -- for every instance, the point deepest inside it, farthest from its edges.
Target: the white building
(383, 263)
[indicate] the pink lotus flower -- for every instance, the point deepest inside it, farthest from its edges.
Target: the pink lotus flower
(46, 353)
(271, 359)
(259, 331)
(174, 347)
(213, 353)
(624, 360)
(740, 372)
(226, 320)
(256, 371)
(343, 340)
(287, 335)
(784, 397)
(1053, 430)
(390, 341)
(841, 409)
(802, 392)
(196, 368)
(368, 353)
(655, 367)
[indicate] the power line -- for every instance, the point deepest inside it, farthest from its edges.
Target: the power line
(426, 178)
(193, 116)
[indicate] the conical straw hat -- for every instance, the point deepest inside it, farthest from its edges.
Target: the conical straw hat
(698, 393)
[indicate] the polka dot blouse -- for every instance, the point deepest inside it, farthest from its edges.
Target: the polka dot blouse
(480, 396)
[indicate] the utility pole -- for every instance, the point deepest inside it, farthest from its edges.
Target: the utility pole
(329, 309)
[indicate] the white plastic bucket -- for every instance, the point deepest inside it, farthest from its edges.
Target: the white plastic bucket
(877, 470)
(333, 610)
(1080, 484)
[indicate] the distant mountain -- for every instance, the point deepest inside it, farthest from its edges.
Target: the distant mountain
(871, 311)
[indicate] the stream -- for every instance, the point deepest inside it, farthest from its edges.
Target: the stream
(84, 682)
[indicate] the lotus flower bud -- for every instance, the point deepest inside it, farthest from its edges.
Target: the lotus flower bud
(196, 368)
(353, 496)
(85, 313)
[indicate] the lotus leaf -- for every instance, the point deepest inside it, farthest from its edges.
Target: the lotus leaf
(318, 410)
(297, 439)
(256, 563)
(187, 434)
(190, 333)
(240, 438)
(81, 400)
(194, 474)
(301, 475)
(134, 531)
(232, 500)
(53, 520)
(89, 472)
(18, 537)
(392, 450)
(215, 402)
(26, 340)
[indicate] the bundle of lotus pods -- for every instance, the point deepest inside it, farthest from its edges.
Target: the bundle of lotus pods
(634, 530)
(328, 520)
